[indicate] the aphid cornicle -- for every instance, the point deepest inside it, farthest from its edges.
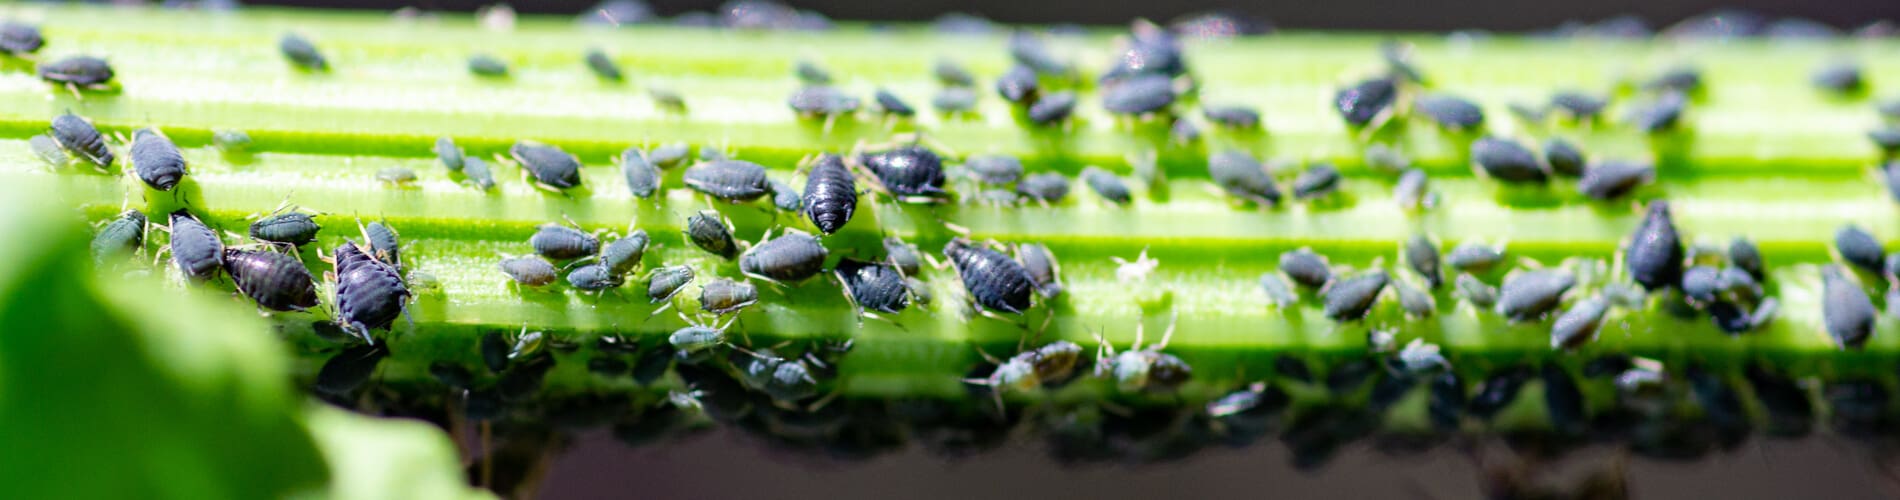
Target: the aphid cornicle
(665, 282)
(156, 160)
(790, 258)
(1017, 85)
(1846, 310)
(1106, 185)
(1612, 179)
(1451, 112)
(831, 194)
(1046, 187)
(873, 286)
(82, 71)
(910, 173)
(710, 233)
(450, 155)
(602, 65)
(529, 271)
(18, 39)
(1563, 157)
(1349, 299)
(551, 167)
(274, 280)
(623, 255)
(1530, 294)
(558, 242)
(643, 179)
(1052, 108)
(1506, 160)
(1362, 102)
(734, 181)
(891, 104)
(1859, 248)
(1305, 267)
(195, 248)
(1241, 176)
(994, 281)
(301, 53)
(82, 139)
(369, 293)
(1654, 253)
(293, 228)
(1138, 95)
(724, 296)
(1422, 255)
(123, 236)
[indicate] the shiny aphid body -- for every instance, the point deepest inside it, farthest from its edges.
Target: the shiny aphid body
(790, 258)
(1306, 268)
(711, 233)
(994, 169)
(994, 281)
(1451, 112)
(1612, 179)
(369, 292)
(274, 280)
(301, 53)
(734, 181)
(1017, 84)
(696, 342)
(873, 286)
(79, 137)
(1045, 187)
(558, 242)
(1563, 157)
(1317, 180)
(786, 198)
(549, 166)
(909, 173)
(1846, 311)
(593, 277)
(124, 235)
(1232, 116)
(81, 71)
(1363, 102)
(195, 247)
(291, 228)
(831, 194)
(1052, 363)
(725, 296)
(1531, 294)
(1422, 255)
(156, 160)
(1474, 256)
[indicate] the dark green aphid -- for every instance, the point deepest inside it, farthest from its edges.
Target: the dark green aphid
(735, 181)
(1481, 295)
(274, 280)
(301, 53)
(1529, 295)
(1840, 77)
(623, 255)
(891, 104)
(1139, 95)
(450, 155)
(1241, 176)
(1106, 185)
(954, 100)
(643, 179)
(293, 228)
(603, 66)
(831, 194)
(1319, 179)
(1046, 187)
(665, 282)
(1563, 157)
(1859, 248)
(669, 155)
(1660, 114)
(18, 39)
(593, 277)
(1365, 101)
(83, 71)
(997, 169)
(384, 243)
(1052, 108)
(902, 255)
(1411, 191)
(1305, 267)
(478, 174)
(1846, 310)
(821, 100)
(790, 258)
(558, 242)
(125, 235)
(873, 286)
(909, 173)
(551, 167)
(1612, 179)
(369, 293)
(1580, 106)
(1233, 116)
(1278, 292)
(1451, 112)
(1422, 255)
(1474, 256)
(195, 248)
(994, 281)
(529, 271)
(1578, 325)
(1506, 160)
(1350, 298)
(48, 150)
(82, 139)
(487, 66)
(810, 73)
(1887, 139)
(785, 197)
(1017, 85)
(724, 296)
(231, 141)
(709, 233)
(951, 74)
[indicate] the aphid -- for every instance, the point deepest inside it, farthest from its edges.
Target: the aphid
(668, 156)
(1579, 324)
(1729, 317)
(694, 343)
(994, 281)
(1451, 112)
(593, 277)
(1365, 101)
(1612, 179)
(1278, 292)
(478, 174)
(790, 258)
(1046, 187)
(919, 291)
(124, 235)
(892, 104)
(724, 296)
(487, 66)
(810, 72)
(951, 74)
(293, 228)
(1737, 283)
(369, 293)
(1563, 157)
(1350, 298)
(821, 100)
(667, 281)
(902, 255)
(1422, 255)
(1319, 179)
(623, 255)
(1151, 51)
(49, 150)
(1234, 116)
(1305, 267)
(1680, 78)
(667, 99)
(1481, 295)
(1042, 267)
(1052, 108)
(82, 139)
(1887, 139)
(1531, 294)
(196, 249)
(301, 53)
(994, 169)
(643, 180)
(1580, 106)
(1241, 176)
(551, 167)
(1845, 309)
(1106, 185)
(558, 242)
(953, 100)
(907, 172)
(1410, 191)
(1137, 95)
(349, 369)
(831, 194)
(1841, 77)
(1506, 160)
(735, 181)
(18, 39)
(1654, 254)
(396, 175)
(1859, 248)
(1419, 357)
(530, 271)
(1474, 257)
(1142, 369)
(450, 155)
(710, 233)
(1183, 131)
(1498, 391)
(276, 281)
(1029, 51)
(1417, 303)
(873, 286)
(1699, 283)
(1660, 114)
(602, 65)
(82, 71)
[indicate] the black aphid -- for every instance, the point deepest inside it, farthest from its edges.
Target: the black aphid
(84, 71)
(1017, 85)
(994, 281)
(907, 172)
(1680, 78)
(293, 228)
(1660, 114)
(487, 66)
(1887, 139)
(123, 236)
(810, 72)
(1028, 50)
(1422, 255)
(450, 155)
(48, 150)
(951, 74)
(1416, 302)
(156, 160)
(1451, 112)
(1241, 176)
(1052, 108)
(1476, 291)
(1046, 187)
(1563, 157)
(735, 181)
(1743, 254)
(1699, 283)
(892, 104)
(1106, 185)
(17, 38)
(1365, 101)
(1473, 256)
(1506, 160)
(954, 100)
(1529, 295)
(1411, 190)
(558, 242)
(1150, 51)
(1139, 95)
(1841, 77)
(710, 233)
(873, 286)
(724, 296)
(1278, 292)
(593, 278)
(1350, 298)
(1580, 106)
(790, 258)
(82, 139)
(1042, 267)
(1612, 179)
(995, 169)
(478, 174)
(1859, 248)
(1578, 325)
(276, 281)
(302, 53)
(643, 179)
(1305, 267)
(666, 282)
(1235, 116)
(623, 255)
(602, 65)
(530, 271)
(1730, 318)
(550, 166)
(1654, 253)
(831, 194)
(902, 255)
(821, 100)
(369, 293)
(349, 369)
(1499, 391)
(195, 248)
(1319, 179)
(667, 156)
